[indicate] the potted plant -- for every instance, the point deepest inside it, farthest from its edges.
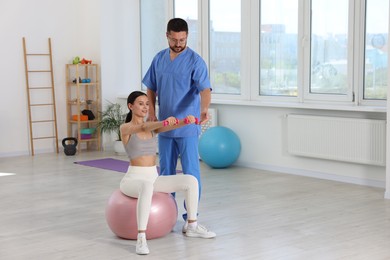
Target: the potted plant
(111, 119)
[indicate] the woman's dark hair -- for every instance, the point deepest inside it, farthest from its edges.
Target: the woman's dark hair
(130, 100)
(177, 25)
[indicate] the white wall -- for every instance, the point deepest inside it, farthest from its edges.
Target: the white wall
(108, 33)
(262, 131)
(120, 49)
(120, 52)
(74, 28)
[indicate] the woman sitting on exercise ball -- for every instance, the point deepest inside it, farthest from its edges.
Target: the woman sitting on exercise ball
(142, 179)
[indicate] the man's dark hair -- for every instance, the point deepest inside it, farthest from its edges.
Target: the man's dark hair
(177, 25)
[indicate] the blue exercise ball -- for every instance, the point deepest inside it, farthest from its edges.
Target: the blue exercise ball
(219, 147)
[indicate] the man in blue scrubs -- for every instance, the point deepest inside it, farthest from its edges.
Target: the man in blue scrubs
(178, 77)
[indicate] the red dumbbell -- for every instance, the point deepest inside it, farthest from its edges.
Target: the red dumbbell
(166, 122)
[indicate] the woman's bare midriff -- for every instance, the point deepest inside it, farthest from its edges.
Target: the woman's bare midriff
(145, 161)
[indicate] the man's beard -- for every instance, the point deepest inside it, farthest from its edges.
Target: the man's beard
(178, 49)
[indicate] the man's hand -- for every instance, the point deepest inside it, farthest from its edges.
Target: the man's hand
(204, 117)
(152, 106)
(205, 100)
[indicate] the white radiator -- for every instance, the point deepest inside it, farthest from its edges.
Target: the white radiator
(336, 138)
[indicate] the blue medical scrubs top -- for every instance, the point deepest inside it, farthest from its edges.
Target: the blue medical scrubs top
(178, 83)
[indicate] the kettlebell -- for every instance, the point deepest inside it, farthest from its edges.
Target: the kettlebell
(70, 147)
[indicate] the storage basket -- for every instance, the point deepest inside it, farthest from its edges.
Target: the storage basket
(87, 130)
(86, 136)
(82, 117)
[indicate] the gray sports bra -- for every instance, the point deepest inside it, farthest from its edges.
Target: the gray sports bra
(137, 147)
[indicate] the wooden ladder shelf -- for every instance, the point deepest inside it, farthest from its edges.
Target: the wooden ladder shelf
(32, 94)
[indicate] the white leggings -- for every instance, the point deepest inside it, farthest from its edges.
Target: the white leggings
(140, 182)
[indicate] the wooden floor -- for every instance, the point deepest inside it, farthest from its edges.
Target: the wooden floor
(55, 209)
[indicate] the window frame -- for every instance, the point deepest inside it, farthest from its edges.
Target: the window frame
(250, 60)
(308, 96)
(359, 69)
(245, 50)
(255, 63)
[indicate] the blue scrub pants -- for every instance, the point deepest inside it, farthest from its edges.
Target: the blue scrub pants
(170, 148)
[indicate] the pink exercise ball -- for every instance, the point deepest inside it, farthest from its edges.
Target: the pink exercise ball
(122, 219)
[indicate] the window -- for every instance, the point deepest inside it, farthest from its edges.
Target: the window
(279, 48)
(301, 51)
(225, 46)
(376, 47)
(188, 10)
(329, 47)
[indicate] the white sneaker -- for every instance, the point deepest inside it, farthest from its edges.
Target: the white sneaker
(142, 247)
(185, 227)
(199, 231)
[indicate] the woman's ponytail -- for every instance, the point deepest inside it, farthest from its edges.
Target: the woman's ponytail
(129, 116)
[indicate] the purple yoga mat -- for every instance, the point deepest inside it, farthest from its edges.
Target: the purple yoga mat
(109, 164)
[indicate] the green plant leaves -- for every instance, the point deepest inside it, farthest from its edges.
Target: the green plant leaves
(111, 119)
